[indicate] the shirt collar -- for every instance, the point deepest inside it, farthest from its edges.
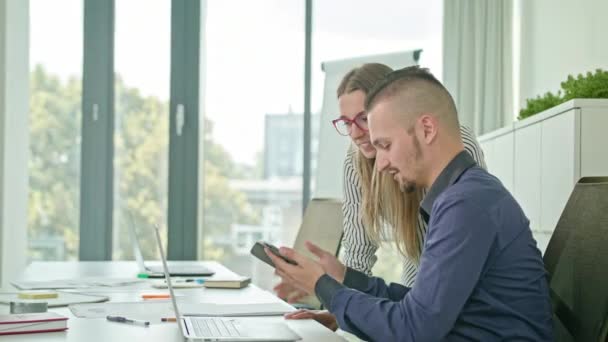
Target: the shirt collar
(450, 174)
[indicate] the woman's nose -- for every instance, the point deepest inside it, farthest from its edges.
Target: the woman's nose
(355, 131)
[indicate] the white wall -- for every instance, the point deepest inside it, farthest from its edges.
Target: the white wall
(14, 111)
(560, 37)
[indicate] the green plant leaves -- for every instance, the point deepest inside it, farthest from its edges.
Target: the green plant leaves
(537, 105)
(590, 86)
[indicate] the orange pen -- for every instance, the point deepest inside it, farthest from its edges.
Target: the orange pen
(155, 296)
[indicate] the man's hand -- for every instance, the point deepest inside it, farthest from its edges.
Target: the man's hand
(323, 317)
(328, 261)
(306, 268)
(304, 275)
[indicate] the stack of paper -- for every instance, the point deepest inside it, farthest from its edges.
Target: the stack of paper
(32, 323)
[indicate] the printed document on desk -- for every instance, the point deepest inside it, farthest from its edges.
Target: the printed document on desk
(78, 283)
(158, 309)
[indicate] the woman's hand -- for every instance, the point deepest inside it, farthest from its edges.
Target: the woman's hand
(288, 292)
(321, 316)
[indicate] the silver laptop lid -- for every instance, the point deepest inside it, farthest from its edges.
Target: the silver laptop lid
(139, 258)
(178, 316)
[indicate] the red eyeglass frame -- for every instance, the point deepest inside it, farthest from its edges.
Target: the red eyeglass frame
(352, 121)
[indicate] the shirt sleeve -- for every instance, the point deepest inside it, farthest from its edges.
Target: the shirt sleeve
(359, 251)
(472, 146)
(456, 248)
(326, 287)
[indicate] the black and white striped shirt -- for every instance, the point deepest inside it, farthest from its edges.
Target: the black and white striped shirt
(359, 252)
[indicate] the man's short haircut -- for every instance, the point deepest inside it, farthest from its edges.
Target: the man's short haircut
(423, 91)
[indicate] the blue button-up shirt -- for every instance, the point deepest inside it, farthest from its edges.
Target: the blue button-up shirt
(481, 276)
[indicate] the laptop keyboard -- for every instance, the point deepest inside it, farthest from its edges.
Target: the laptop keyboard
(214, 327)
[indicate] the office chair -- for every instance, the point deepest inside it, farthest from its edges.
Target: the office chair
(576, 260)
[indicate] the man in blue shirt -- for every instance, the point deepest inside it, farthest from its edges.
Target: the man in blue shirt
(481, 276)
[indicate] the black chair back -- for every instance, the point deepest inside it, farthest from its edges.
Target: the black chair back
(577, 263)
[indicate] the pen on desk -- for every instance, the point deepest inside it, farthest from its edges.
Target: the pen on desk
(155, 296)
(120, 319)
(189, 280)
(168, 319)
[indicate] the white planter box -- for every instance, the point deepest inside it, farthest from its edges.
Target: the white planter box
(539, 159)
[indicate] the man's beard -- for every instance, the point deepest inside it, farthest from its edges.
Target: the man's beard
(407, 187)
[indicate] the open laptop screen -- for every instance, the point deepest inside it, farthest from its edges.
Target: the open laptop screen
(180, 270)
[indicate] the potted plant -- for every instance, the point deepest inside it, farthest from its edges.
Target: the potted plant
(590, 86)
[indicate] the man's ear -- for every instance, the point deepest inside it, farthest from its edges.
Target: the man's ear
(428, 127)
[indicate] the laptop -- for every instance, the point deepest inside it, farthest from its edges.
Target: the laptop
(223, 328)
(175, 270)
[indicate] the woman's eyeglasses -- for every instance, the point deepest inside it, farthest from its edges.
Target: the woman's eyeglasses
(344, 125)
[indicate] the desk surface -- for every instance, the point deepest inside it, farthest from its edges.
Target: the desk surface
(83, 329)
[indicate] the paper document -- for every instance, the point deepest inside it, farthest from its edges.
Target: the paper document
(75, 283)
(134, 310)
(158, 309)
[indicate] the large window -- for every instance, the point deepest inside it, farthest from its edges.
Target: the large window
(55, 129)
(249, 123)
(141, 133)
(253, 104)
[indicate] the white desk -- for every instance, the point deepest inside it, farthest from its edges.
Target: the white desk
(81, 329)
